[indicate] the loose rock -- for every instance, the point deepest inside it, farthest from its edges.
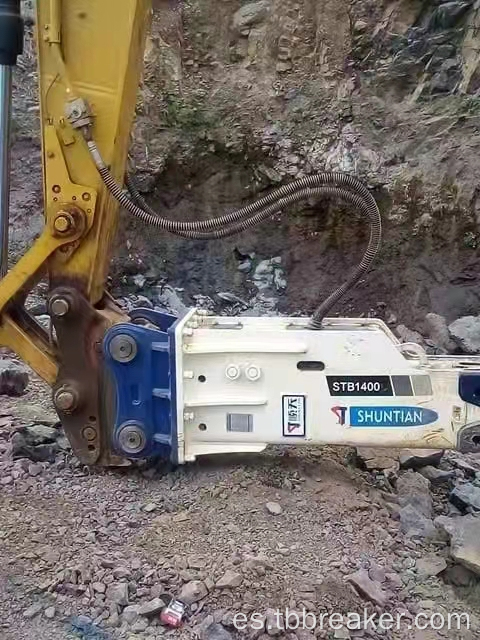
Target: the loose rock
(250, 14)
(407, 335)
(121, 573)
(36, 414)
(468, 469)
(151, 608)
(368, 588)
(13, 378)
(118, 593)
(417, 458)
(196, 562)
(32, 611)
(466, 496)
(416, 525)
(377, 459)
(36, 442)
(199, 630)
(40, 434)
(193, 592)
(377, 573)
(216, 631)
(459, 576)
(437, 330)
(229, 580)
(274, 508)
(431, 566)
(139, 625)
(130, 614)
(49, 612)
(169, 300)
(465, 332)
(150, 507)
(99, 587)
(414, 490)
(465, 539)
(35, 469)
(436, 476)
(274, 623)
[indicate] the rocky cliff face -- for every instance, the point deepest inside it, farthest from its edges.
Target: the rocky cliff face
(238, 97)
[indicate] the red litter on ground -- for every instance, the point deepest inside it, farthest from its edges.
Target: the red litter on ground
(173, 614)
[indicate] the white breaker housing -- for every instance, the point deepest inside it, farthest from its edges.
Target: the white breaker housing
(244, 383)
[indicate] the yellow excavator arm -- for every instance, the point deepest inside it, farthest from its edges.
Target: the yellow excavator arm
(90, 55)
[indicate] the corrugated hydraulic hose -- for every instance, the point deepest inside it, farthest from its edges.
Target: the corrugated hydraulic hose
(332, 185)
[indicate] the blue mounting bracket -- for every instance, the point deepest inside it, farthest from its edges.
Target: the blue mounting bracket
(140, 360)
(469, 388)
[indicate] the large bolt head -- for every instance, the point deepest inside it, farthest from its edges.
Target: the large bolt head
(123, 348)
(65, 400)
(132, 439)
(59, 307)
(253, 372)
(63, 223)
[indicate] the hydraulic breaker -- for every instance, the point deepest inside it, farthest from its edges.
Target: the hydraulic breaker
(205, 385)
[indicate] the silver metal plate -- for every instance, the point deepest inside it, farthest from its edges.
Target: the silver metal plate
(240, 422)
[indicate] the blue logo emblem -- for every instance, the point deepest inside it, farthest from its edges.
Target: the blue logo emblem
(385, 416)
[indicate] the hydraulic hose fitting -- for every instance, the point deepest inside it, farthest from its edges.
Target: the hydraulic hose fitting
(11, 32)
(79, 114)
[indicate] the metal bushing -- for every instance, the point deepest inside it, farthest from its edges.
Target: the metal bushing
(89, 433)
(123, 348)
(131, 439)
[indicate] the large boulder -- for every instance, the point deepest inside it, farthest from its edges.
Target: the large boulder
(465, 332)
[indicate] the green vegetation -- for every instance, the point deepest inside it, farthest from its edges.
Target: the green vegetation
(188, 116)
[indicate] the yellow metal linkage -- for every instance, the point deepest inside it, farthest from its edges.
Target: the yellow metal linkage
(102, 43)
(90, 49)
